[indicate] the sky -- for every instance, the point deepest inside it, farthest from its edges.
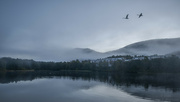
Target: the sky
(38, 28)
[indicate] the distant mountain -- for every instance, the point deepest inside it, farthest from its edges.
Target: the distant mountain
(87, 51)
(84, 53)
(150, 47)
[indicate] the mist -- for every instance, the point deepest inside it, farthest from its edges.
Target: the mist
(51, 30)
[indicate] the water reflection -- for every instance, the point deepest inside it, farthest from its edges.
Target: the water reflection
(87, 87)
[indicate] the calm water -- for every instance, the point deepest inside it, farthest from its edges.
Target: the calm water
(87, 87)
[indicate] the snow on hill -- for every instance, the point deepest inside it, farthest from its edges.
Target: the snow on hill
(177, 53)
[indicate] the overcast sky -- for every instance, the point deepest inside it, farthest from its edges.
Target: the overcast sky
(30, 26)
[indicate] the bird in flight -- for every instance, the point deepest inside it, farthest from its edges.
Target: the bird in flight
(126, 16)
(140, 15)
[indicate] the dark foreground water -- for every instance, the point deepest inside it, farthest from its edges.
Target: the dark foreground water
(46, 86)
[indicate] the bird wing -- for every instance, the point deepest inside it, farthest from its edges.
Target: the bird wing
(140, 15)
(127, 15)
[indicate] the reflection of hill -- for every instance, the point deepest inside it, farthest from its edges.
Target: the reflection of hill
(153, 93)
(15, 76)
(168, 81)
(160, 86)
(8, 77)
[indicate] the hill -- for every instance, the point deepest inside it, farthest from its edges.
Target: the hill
(150, 47)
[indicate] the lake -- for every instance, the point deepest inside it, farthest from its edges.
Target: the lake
(45, 86)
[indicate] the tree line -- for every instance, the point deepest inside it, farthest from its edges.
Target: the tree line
(169, 64)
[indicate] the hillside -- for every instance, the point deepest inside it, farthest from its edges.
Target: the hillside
(150, 47)
(84, 53)
(177, 53)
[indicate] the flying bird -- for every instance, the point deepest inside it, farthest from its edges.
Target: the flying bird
(126, 16)
(140, 15)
